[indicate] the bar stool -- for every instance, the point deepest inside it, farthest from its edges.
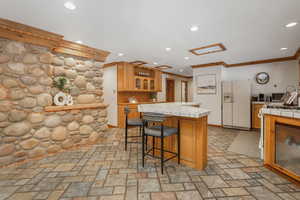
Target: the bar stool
(132, 122)
(158, 131)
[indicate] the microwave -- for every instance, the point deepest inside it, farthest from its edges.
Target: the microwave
(277, 97)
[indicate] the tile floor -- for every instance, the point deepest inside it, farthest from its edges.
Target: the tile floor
(106, 172)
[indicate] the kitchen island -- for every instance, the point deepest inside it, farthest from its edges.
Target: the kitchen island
(193, 131)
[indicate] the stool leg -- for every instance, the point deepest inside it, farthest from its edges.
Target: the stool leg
(126, 133)
(178, 142)
(140, 130)
(143, 148)
(146, 142)
(162, 154)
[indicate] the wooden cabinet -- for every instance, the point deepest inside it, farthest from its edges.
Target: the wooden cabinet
(157, 80)
(136, 78)
(255, 119)
(125, 77)
(121, 115)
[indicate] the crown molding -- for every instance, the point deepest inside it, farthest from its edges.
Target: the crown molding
(23, 33)
(256, 62)
(208, 64)
(261, 61)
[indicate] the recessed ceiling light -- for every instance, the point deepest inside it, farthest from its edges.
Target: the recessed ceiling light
(289, 25)
(181, 70)
(283, 49)
(70, 5)
(120, 54)
(168, 49)
(79, 41)
(155, 63)
(186, 58)
(194, 28)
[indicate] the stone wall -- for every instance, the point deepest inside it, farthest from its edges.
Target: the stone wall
(26, 88)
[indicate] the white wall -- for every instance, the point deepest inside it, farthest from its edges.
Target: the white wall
(281, 74)
(110, 94)
(190, 90)
(210, 101)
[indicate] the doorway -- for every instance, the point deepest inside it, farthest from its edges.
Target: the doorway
(170, 90)
(184, 91)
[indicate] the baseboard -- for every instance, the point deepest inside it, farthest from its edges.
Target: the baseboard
(215, 125)
(111, 126)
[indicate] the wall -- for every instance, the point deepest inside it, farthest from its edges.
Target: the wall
(161, 96)
(282, 74)
(110, 88)
(210, 101)
(26, 88)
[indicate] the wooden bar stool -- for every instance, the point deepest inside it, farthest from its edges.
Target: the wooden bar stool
(158, 131)
(131, 122)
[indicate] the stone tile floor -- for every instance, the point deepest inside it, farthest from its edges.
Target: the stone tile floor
(106, 172)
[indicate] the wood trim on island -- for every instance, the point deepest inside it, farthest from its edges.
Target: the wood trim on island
(270, 143)
(75, 107)
(55, 42)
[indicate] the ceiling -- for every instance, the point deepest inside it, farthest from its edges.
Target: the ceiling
(142, 29)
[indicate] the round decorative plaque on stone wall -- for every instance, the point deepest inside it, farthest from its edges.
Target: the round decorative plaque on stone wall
(60, 99)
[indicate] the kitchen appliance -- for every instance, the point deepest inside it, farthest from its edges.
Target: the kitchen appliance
(236, 104)
(261, 97)
(269, 99)
(277, 97)
(254, 98)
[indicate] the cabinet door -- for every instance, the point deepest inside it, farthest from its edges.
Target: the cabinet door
(255, 119)
(152, 85)
(121, 115)
(138, 83)
(145, 84)
(126, 77)
(158, 80)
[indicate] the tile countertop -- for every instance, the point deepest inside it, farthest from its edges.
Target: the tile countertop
(137, 103)
(258, 102)
(269, 103)
(179, 109)
(281, 112)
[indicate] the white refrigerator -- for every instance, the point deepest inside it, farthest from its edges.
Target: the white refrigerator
(236, 104)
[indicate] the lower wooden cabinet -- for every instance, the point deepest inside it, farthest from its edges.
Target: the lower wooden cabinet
(255, 119)
(121, 115)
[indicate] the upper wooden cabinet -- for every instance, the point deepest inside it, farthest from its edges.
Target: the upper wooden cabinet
(157, 80)
(136, 78)
(125, 76)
